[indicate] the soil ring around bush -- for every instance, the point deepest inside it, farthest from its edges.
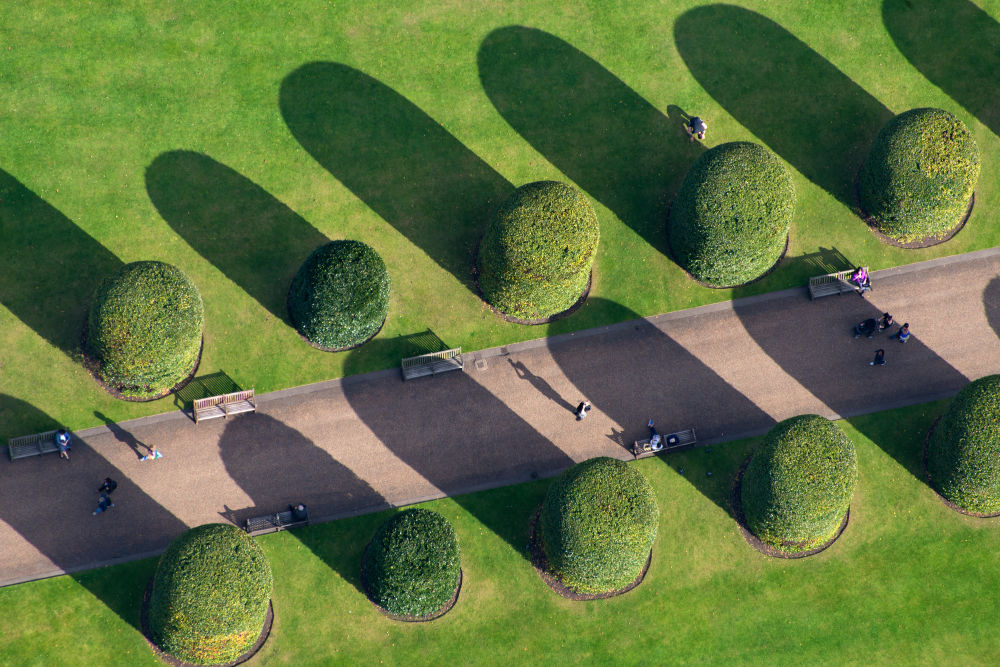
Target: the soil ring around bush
(925, 242)
(177, 662)
(673, 258)
(308, 342)
(516, 320)
(930, 483)
(552, 580)
(402, 617)
(736, 501)
(93, 367)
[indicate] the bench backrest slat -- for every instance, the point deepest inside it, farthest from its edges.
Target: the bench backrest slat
(431, 357)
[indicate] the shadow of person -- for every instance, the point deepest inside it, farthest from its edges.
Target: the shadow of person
(991, 304)
(254, 239)
(815, 347)
(277, 466)
(49, 502)
(51, 267)
(668, 384)
(123, 436)
(805, 109)
(954, 44)
(541, 385)
(589, 124)
(468, 439)
(395, 158)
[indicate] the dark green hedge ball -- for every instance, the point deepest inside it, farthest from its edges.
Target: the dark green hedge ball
(963, 454)
(145, 327)
(412, 565)
(799, 484)
(730, 219)
(340, 296)
(598, 524)
(919, 176)
(538, 250)
(210, 595)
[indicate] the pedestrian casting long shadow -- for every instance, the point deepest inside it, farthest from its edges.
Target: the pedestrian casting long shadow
(48, 502)
(590, 124)
(813, 342)
(254, 239)
(792, 98)
(51, 267)
(277, 466)
(395, 158)
(459, 437)
(956, 45)
(991, 304)
(644, 373)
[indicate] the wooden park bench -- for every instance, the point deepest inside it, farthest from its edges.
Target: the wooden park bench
(832, 283)
(33, 445)
(671, 442)
(432, 363)
(270, 523)
(224, 405)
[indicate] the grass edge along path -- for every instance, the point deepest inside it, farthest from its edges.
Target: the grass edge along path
(904, 583)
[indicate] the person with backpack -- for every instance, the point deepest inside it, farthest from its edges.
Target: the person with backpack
(62, 442)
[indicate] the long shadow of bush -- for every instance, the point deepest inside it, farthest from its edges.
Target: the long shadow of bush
(588, 123)
(278, 466)
(50, 266)
(254, 239)
(397, 159)
(956, 45)
(801, 106)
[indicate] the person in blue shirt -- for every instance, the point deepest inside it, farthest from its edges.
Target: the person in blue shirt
(62, 442)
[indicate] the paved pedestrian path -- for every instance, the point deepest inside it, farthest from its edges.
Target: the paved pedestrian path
(350, 446)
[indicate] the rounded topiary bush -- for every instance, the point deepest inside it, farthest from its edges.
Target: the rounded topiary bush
(210, 595)
(598, 524)
(340, 296)
(144, 328)
(963, 453)
(729, 221)
(798, 486)
(920, 174)
(536, 255)
(412, 565)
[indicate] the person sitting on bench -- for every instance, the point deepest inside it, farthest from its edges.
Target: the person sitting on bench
(655, 441)
(861, 278)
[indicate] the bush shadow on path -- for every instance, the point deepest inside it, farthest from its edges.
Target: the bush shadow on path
(991, 304)
(669, 385)
(467, 439)
(49, 501)
(51, 267)
(254, 239)
(956, 46)
(792, 98)
(278, 466)
(395, 158)
(589, 124)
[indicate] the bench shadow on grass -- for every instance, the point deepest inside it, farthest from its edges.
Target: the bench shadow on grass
(792, 98)
(254, 239)
(51, 267)
(828, 362)
(458, 436)
(956, 46)
(278, 466)
(49, 502)
(671, 386)
(203, 386)
(395, 158)
(589, 124)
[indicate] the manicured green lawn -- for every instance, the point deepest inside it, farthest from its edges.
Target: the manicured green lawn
(232, 138)
(909, 582)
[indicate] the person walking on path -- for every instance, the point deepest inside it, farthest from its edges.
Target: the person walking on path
(107, 486)
(867, 327)
(62, 442)
(903, 334)
(153, 454)
(582, 410)
(103, 504)
(885, 323)
(696, 128)
(879, 358)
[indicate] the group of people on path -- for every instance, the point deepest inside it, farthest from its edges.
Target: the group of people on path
(871, 326)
